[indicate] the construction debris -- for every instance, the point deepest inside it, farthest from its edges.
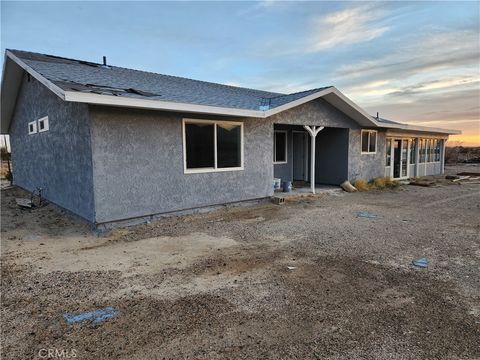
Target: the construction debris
(24, 203)
(348, 187)
(460, 178)
(469, 173)
(95, 317)
(420, 182)
(277, 200)
(366, 214)
(423, 263)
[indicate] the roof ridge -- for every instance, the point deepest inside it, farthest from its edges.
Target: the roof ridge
(150, 72)
(300, 92)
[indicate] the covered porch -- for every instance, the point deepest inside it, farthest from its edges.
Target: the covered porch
(310, 157)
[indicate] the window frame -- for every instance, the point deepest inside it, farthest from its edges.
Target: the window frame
(215, 168)
(275, 162)
(388, 152)
(46, 126)
(368, 145)
(412, 151)
(35, 129)
(438, 150)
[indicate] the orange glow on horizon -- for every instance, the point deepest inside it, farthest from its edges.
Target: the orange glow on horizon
(463, 140)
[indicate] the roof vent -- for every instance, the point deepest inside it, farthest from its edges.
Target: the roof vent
(377, 114)
(105, 62)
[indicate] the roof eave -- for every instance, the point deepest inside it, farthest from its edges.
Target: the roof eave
(418, 128)
(109, 100)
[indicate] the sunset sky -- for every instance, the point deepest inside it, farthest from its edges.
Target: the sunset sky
(415, 62)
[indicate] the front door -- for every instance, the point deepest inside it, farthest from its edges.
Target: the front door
(400, 158)
(397, 147)
(300, 144)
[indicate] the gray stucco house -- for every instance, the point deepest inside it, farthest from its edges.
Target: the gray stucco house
(110, 144)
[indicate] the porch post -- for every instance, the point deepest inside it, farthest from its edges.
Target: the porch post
(442, 156)
(313, 131)
(417, 156)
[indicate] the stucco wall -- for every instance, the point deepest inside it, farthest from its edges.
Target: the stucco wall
(138, 165)
(365, 166)
(316, 112)
(58, 160)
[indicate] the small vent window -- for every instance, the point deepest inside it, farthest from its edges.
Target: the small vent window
(43, 124)
(32, 127)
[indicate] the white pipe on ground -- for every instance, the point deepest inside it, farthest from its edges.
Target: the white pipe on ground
(313, 131)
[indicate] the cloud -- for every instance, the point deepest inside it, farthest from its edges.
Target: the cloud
(346, 27)
(437, 85)
(420, 54)
(457, 109)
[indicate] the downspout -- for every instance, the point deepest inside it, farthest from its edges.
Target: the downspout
(313, 131)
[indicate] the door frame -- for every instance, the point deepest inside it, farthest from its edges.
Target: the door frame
(392, 152)
(306, 137)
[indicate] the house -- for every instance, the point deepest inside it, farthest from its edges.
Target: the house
(109, 143)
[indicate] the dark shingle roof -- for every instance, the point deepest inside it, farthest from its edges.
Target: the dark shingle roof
(381, 120)
(83, 76)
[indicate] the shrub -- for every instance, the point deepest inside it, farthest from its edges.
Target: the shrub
(379, 183)
(361, 185)
(393, 184)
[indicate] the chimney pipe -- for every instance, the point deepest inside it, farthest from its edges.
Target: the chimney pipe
(377, 111)
(104, 61)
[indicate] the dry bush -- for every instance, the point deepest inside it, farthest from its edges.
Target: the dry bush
(379, 183)
(393, 184)
(361, 185)
(384, 182)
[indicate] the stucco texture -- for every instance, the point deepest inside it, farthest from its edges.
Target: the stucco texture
(58, 160)
(138, 165)
(365, 166)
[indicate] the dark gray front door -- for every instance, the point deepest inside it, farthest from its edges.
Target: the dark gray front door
(397, 145)
(299, 156)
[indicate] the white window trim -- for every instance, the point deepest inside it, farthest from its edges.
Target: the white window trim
(35, 130)
(213, 169)
(427, 157)
(391, 151)
(275, 147)
(376, 141)
(45, 122)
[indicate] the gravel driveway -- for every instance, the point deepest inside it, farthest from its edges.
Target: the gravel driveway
(303, 280)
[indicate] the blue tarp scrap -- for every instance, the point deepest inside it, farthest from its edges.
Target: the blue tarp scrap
(423, 263)
(96, 316)
(366, 214)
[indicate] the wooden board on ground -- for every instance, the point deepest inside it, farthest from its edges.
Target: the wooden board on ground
(468, 173)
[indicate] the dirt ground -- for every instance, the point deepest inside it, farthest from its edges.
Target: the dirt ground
(218, 285)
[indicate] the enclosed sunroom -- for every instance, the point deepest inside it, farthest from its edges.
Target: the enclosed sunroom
(408, 156)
